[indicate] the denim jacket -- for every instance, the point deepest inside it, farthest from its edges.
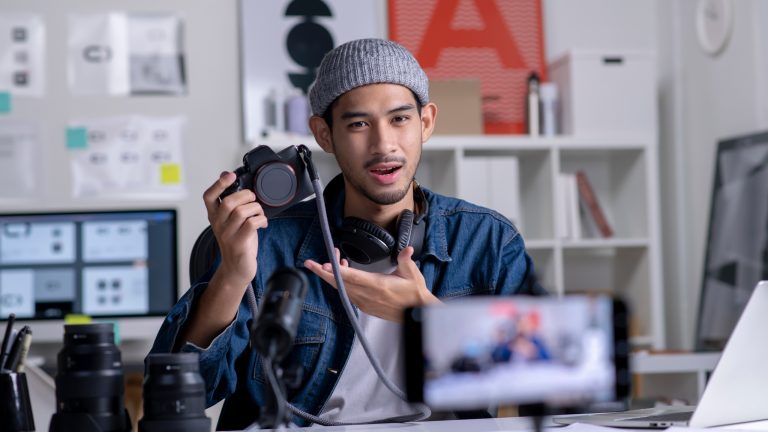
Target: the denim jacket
(468, 250)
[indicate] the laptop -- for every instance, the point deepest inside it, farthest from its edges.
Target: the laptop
(736, 389)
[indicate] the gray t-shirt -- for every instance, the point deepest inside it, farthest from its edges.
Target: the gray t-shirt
(360, 396)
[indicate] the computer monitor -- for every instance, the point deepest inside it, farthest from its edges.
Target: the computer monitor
(102, 264)
(737, 241)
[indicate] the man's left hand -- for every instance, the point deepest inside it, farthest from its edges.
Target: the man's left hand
(381, 295)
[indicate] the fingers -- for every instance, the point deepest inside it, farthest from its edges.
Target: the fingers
(323, 274)
(342, 261)
(406, 267)
(211, 195)
(244, 219)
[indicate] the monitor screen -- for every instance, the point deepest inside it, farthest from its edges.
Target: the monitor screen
(98, 263)
(737, 242)
(479, 352)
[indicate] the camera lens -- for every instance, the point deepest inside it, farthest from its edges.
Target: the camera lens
(174, 395)
(89, 382)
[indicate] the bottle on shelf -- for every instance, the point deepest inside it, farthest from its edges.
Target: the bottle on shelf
(533, 104)
(548, 95)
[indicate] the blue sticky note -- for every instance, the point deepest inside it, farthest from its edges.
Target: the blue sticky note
(77, 138)
(5, 102)
(116, 327)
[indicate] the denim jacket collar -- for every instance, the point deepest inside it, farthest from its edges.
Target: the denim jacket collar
(435, 243)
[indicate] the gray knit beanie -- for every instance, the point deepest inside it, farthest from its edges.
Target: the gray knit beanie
(362, 62)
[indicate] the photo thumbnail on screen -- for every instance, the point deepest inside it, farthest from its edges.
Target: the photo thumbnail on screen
(521, 350)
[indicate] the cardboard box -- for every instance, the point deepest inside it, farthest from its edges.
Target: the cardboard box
(459, 106)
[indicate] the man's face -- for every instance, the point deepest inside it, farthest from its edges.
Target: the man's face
(376, 138)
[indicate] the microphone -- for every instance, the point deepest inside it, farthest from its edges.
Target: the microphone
(275, 328)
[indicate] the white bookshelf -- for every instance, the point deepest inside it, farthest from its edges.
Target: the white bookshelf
(623, 173)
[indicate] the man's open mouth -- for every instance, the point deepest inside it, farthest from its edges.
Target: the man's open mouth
(385, 171)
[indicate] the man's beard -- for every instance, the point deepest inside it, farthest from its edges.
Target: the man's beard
(382, 198)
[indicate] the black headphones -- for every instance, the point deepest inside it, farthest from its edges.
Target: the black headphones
(365, 243)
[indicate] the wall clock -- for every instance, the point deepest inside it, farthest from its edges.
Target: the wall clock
(714, 23)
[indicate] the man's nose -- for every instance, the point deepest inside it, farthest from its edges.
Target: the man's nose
(383, 139)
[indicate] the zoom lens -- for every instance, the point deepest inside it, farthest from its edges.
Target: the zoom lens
(89, 382)
(174, 395)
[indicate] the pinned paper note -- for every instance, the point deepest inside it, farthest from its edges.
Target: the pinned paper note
(5, 102)
(129, 156)
(77, 138)
(19, 159)
(118, 53)
(22, 54)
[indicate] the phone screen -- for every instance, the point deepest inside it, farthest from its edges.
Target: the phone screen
(484, 351)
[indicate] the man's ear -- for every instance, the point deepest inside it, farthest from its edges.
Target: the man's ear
(322, 133)
(428, 119)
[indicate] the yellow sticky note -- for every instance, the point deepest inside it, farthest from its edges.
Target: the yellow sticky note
(170, 174)
(77, 319)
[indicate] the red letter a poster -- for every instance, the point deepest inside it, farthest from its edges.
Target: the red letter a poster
(498, 41)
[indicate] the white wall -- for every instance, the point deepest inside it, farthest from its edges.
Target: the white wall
(704, 99)
(599, 24)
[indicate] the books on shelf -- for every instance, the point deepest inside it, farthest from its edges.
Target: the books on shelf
(589, 198)
(581, 214)
(568, 218)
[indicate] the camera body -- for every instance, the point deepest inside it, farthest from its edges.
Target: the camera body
(279, 180)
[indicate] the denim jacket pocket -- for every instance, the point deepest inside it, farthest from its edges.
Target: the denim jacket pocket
(309, 340)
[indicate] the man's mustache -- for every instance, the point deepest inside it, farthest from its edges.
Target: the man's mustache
(385, 159)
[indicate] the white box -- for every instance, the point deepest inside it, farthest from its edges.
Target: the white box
(606, 93)
(493, 182)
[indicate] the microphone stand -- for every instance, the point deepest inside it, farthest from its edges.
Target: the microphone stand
(537, 412)
(273, 412)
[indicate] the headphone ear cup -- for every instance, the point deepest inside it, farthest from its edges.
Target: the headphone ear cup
(364, 242)
(404, 231)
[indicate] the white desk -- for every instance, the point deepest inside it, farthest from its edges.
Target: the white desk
(479, 425)
(509, 424)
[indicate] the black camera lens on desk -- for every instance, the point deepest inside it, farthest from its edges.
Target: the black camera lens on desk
(174, 395)
(89, 381)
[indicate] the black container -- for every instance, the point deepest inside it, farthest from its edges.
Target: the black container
(15, 407)
(174, 395)
(89, 381)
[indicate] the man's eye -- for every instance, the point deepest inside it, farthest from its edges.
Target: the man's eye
(399, 119)
(357, 124)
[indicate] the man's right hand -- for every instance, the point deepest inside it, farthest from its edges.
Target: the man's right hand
(235, 221)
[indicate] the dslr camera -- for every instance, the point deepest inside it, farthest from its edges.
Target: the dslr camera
(279, 180)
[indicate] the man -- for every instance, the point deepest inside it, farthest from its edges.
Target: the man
(371, 110)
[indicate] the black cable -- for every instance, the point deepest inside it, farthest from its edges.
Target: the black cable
(278, 391)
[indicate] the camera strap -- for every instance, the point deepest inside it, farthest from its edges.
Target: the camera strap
(425, 412)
